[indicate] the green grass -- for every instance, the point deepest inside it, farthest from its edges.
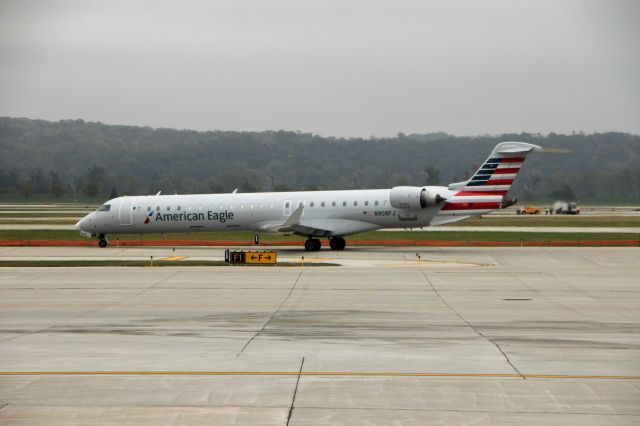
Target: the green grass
(38, 222)
(139, 263)
(495, 236)
(247, 237)
(40, 214)
(553, 221)
(544, 202)
(50, 199)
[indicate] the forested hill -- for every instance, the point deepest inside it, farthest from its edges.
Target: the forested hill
(92, 158)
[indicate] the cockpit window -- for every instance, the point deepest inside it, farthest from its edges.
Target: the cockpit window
(104, 208)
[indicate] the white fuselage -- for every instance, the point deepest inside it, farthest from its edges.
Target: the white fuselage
(341, 212)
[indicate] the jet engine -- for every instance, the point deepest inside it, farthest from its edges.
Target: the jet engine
(413, 197)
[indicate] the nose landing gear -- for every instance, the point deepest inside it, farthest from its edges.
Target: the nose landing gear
(102, 241)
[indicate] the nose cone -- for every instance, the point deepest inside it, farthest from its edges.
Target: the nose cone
(83, 223)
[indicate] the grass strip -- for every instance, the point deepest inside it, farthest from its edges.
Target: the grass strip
(140, 263)
(553, 221)
(246, 238)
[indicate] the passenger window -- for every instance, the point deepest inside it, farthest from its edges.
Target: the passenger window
(157, 208)
(355, 203)
(333, 204)
(322, 204)
(366, 203)
(168, 208)
(376, 202)
(311, 204)
(241, 206)
(179, 208)
(286, 204)
(149, 208)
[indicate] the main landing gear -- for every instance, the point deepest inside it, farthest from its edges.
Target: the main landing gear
(336, 243)
(102, 241)
(312, 244)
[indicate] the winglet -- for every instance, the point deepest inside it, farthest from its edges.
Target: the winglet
(294, 219)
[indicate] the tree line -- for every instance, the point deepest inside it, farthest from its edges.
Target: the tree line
(73, 157)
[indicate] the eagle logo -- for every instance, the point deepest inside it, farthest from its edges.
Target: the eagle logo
(148, 217)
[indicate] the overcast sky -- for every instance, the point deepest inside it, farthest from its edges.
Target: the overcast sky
(337, 68)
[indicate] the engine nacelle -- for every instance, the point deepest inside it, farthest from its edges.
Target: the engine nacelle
(413, 197)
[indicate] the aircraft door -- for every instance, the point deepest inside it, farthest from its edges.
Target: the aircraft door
(126, 211)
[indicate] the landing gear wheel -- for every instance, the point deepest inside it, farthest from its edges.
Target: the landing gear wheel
(337, 243)
(312, 244)
(102, 243)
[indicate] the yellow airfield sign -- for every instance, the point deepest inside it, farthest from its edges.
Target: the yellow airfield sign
(263, 257)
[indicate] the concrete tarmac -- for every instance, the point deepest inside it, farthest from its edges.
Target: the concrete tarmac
(463, 336)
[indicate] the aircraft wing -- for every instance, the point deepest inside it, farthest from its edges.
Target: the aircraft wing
(319, 227)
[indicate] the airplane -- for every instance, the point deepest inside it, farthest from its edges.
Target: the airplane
(316, 214)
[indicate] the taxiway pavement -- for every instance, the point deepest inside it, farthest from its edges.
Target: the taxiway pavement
(464, 335)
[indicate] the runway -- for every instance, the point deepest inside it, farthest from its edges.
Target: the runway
(457, 336)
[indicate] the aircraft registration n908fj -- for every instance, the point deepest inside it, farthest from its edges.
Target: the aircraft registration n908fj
(315, 214)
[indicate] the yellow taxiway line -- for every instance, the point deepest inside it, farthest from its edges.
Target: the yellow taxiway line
(174, 258)
(316, 373)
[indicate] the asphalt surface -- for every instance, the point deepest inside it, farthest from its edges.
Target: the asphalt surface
(458, 336)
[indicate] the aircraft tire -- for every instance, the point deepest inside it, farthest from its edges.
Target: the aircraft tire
(312, 244)
(337, 243)
(102, 243)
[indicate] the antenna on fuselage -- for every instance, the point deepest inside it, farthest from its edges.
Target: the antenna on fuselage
(235, 190)
(159, 192)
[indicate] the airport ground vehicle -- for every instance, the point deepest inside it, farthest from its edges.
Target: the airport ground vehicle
(564, 207)
(529, 210)
(315, 214)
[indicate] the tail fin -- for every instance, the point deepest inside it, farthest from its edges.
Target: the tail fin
(497, 173)
(486, 190)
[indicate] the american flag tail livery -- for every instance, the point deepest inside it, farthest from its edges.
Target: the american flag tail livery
(487, 189)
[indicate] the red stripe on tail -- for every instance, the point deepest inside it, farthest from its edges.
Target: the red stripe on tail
(478, 193)
(505, 171)
(499, 182)
(471, 206)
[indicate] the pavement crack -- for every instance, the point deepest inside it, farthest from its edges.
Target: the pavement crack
(478, 332)
(93, 311)
(272, 315)
(295, 392)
